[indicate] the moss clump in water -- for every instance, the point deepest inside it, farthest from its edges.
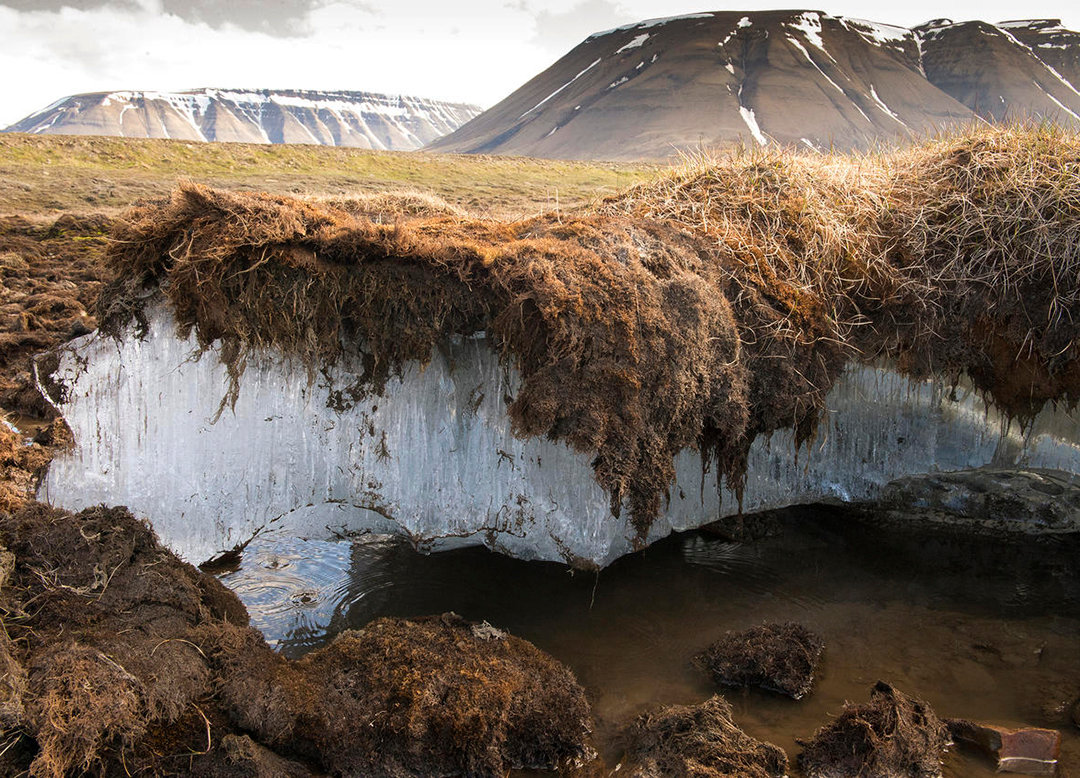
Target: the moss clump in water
(702, 741)
(778, 657)
(892, 736)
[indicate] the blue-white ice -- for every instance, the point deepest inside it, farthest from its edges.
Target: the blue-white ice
(434, 458)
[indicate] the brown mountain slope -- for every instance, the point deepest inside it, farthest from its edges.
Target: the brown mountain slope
(792, 77)
(998, 70)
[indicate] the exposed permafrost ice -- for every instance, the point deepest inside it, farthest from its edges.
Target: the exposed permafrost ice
(434, 457)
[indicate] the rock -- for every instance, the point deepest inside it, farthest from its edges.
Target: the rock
(986, 501)
(700, 741)
(892, 736)
(1028, 750)
(777, 657)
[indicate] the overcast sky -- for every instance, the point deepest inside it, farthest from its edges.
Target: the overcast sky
(464, 50)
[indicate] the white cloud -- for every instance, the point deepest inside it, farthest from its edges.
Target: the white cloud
(476, 51)
(406, 51)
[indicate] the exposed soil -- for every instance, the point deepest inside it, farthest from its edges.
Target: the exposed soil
(50, 276)
(778, 657)
(892, 736)
(701, 741)
(119, 658)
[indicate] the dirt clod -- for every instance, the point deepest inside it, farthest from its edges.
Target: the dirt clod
(241, 757)
(701, 741)
(423, 697)
(118, 657)
(777, 657)
(891, 736)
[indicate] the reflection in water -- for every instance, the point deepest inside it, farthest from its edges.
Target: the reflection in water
(980, 628)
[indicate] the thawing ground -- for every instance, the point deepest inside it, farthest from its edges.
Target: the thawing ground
(980, 628)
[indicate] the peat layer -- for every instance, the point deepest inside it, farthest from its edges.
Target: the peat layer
(716, 304)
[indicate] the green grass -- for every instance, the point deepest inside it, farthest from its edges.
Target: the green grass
(46, 175)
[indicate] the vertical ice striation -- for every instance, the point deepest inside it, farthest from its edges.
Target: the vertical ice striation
(434, 457)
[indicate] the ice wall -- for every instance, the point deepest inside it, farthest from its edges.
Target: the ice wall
(434, 457)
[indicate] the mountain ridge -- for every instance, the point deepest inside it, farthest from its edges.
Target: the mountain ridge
(656, 87)
(331, 118)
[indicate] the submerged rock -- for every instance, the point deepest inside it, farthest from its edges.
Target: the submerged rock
(680, 741)
(892, 736)
(1028, 750)
(777, 657)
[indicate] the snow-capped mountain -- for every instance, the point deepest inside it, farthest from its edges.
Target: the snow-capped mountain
(358, 119)
(649, 89)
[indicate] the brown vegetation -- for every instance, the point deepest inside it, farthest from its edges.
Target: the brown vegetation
(118, 658)
(434, 696)
(50, 276)
(892, 736)
(20, 464)
(777, 657)
(699, 741)
(702, 310)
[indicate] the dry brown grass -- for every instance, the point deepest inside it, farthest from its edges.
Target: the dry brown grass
(699, 741)
(891, 736)
(702, 310)
(427, 697)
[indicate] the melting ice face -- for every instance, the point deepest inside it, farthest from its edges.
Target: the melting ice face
(434, 458)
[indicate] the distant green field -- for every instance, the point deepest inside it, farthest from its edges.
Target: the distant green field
(46, 175)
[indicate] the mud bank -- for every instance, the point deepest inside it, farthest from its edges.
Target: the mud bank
(574, 386)
(118, 658)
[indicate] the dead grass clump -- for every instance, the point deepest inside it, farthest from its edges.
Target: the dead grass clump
(392, 207)
(21, 464)
(700, 741)
(82, 702)
(601, 316)
(892, 736)
(102, 620)
(701, 310)
(777, 657)
(956, 256)
(50, 275)
(428, 697)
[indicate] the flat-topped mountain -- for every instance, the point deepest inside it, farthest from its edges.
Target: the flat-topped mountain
(650, 89)
(358, 119)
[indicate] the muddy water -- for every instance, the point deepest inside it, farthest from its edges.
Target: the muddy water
(982, 629)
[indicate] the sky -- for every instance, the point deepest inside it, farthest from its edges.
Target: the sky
(475, 51)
